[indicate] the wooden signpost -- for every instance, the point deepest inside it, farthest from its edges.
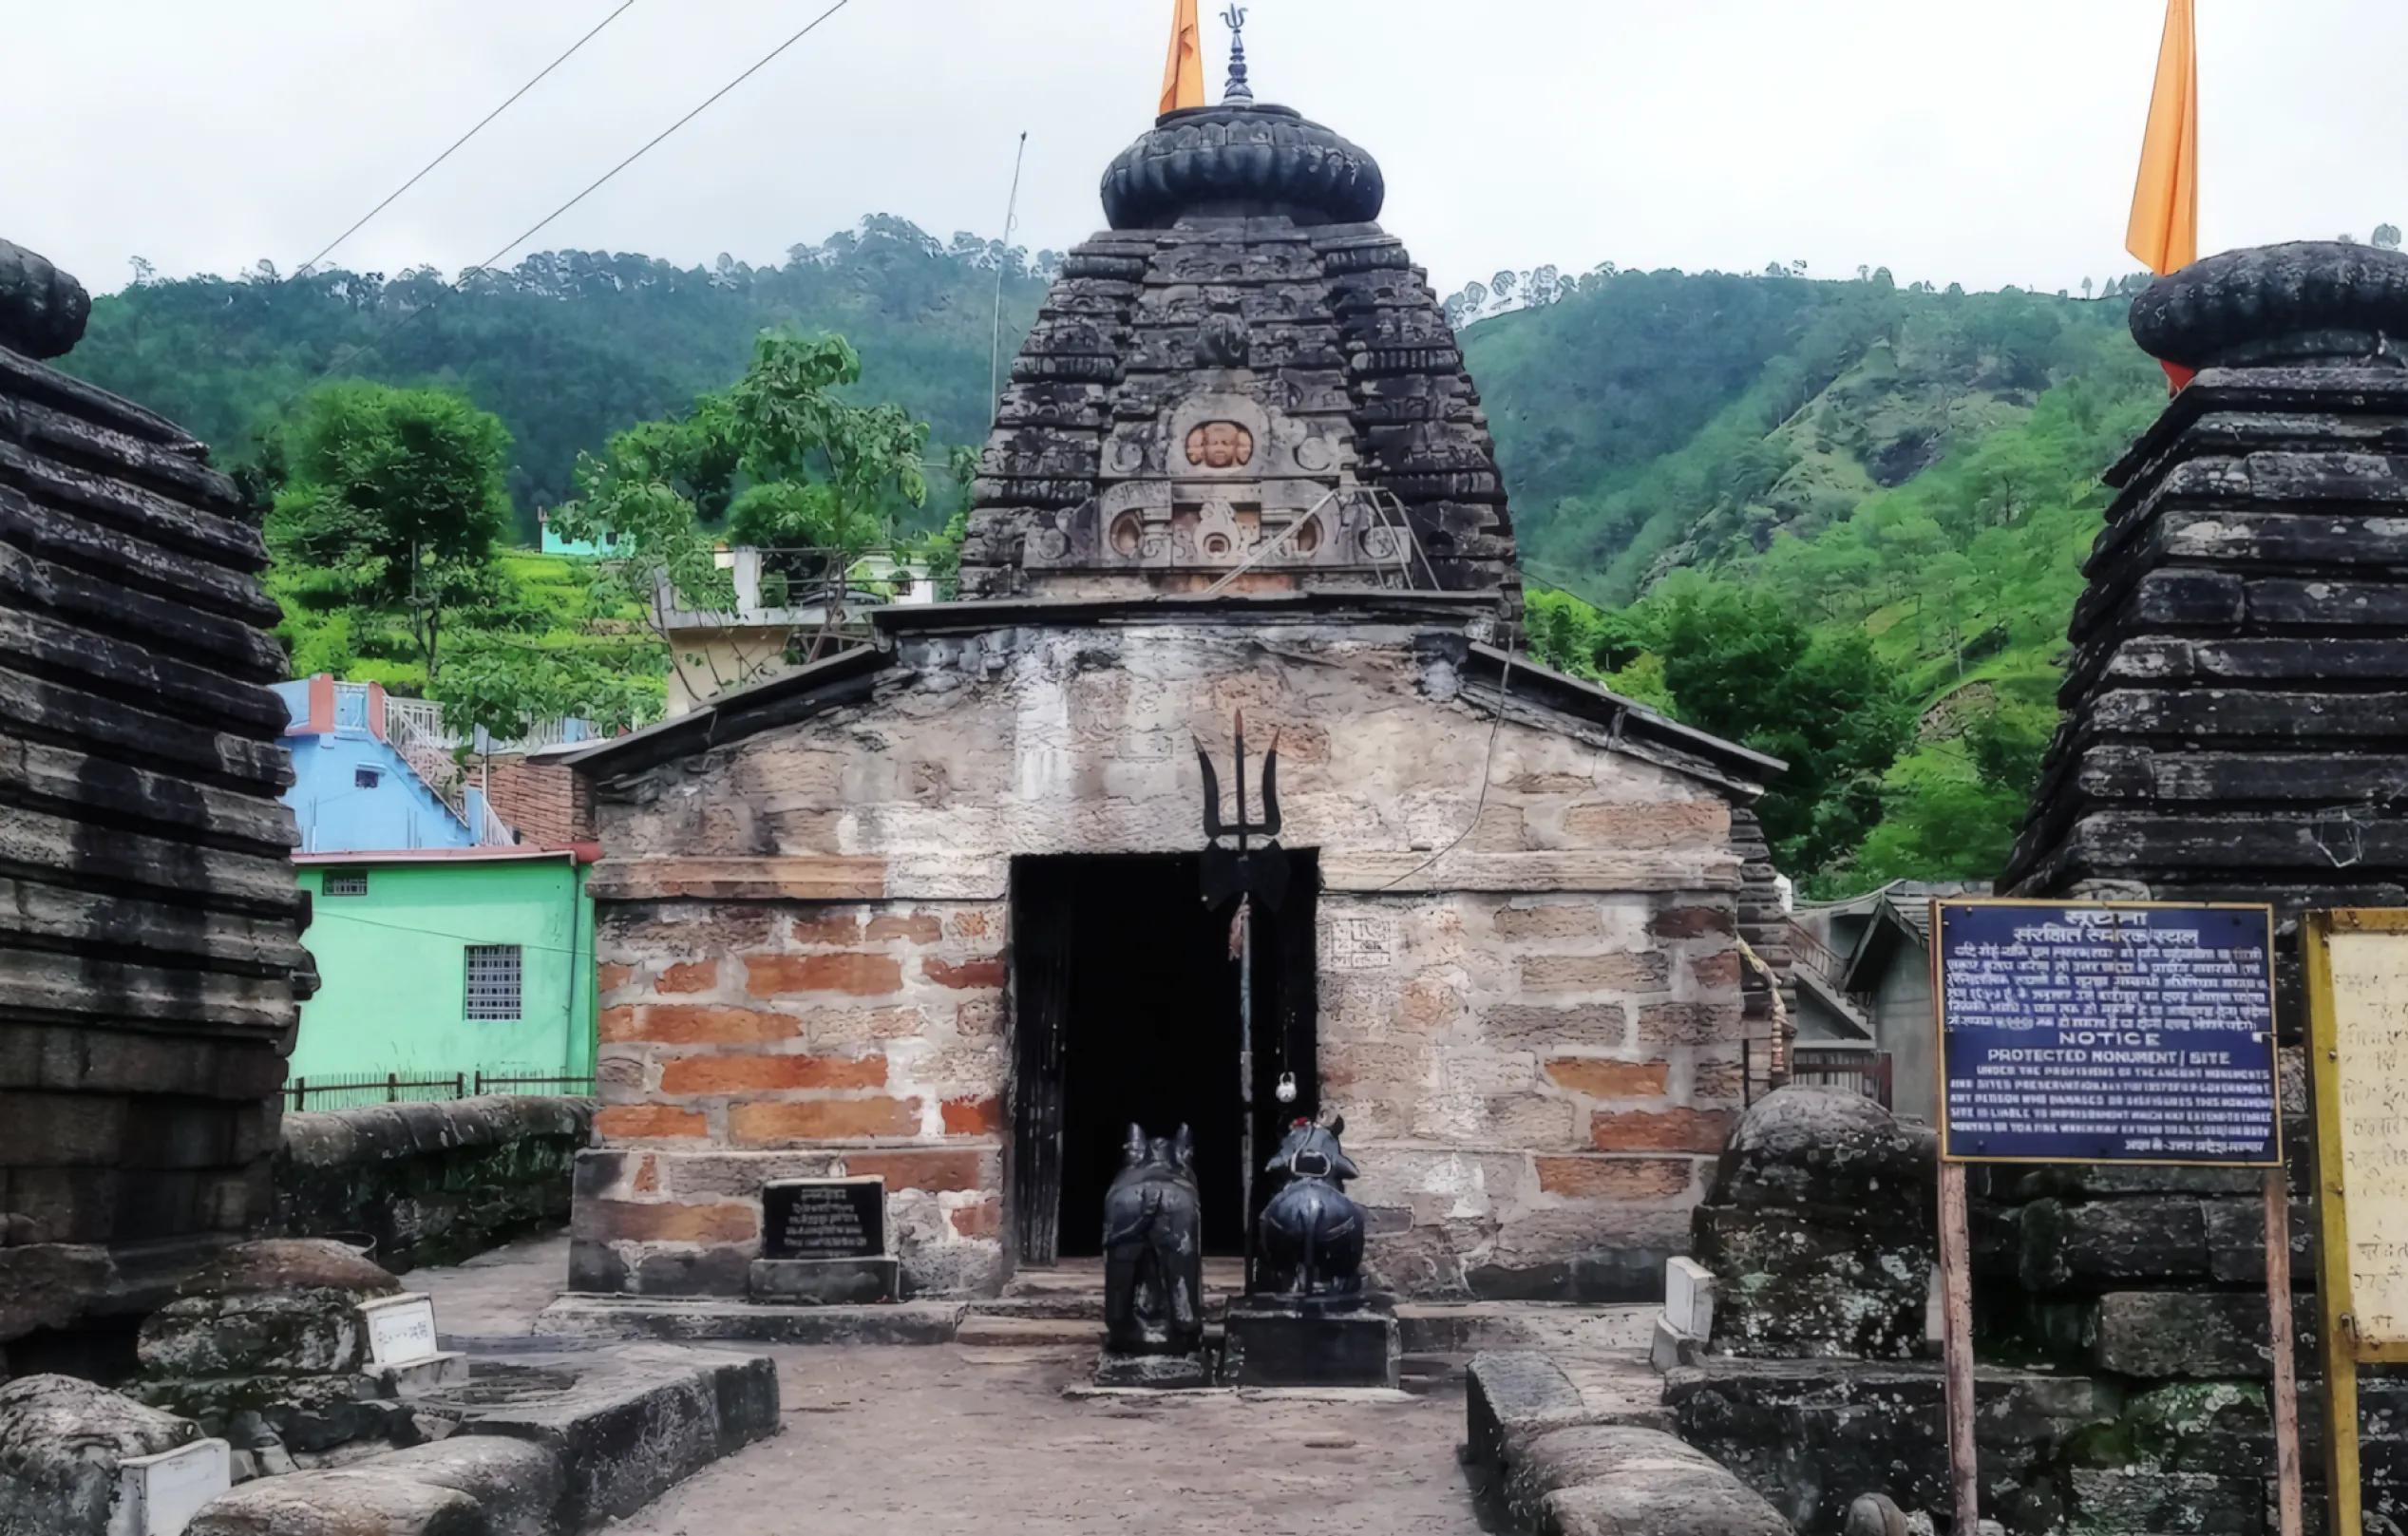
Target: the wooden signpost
(2357, 965)
(2112, 1032)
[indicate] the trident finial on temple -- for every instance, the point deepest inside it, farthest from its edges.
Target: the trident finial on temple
(1238, 89)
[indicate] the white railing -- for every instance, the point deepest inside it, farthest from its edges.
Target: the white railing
(419, 719)
(491, 830)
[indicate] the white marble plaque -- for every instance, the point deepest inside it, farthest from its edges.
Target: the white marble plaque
(1689, 1297)
(2370, 1035)
(159, 1495)
(401, 1329)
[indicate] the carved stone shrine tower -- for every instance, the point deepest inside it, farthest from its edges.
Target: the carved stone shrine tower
(1244, 385)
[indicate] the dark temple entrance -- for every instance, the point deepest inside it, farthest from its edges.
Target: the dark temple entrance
(1125, 1007)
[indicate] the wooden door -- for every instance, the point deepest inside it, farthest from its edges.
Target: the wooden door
(1041, 945)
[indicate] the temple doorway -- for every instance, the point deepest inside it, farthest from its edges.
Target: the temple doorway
(1125, 1007)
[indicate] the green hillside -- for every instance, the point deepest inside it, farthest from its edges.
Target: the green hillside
(1845, 524)
(569, 347)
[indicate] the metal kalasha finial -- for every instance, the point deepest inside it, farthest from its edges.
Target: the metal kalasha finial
(1238, 90)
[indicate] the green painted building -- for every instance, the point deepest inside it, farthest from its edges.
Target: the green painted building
(438, 963)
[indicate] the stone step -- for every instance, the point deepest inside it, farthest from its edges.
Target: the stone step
(979, 1330)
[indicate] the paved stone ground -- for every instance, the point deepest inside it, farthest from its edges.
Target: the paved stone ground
(957, 1438)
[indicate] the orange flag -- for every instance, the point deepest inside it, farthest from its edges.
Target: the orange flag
(1182, 77)
(2163, 232)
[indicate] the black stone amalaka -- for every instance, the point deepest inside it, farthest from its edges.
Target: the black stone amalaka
(1153, 1249)
(2311, 301)
(42, 309)
(1312, 1232)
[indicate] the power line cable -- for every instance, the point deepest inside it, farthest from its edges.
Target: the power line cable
(591, 187)
(506, 104)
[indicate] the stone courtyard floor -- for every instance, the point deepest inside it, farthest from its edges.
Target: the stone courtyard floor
(958, 1437)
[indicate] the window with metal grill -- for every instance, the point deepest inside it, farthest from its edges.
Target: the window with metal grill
(346, 883)
(493, 982)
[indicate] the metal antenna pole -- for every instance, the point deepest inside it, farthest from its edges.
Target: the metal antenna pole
(1011, 215)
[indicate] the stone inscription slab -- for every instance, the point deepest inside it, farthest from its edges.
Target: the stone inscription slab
(2107, 1032)
(823, 1218)
(1365, 943)
(401, 1329)
(2370, 1036)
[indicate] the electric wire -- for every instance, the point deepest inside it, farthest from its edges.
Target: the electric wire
(469, 274)
(390, 198)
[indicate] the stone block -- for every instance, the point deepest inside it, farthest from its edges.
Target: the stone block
(1510, 1397)
(2197, 1334)
(2236, 1241)
(1802, 1147)
(517, 1485)
(638, 1420)
(1271, 1344)
(352, 1502)
(1602, 1077)
(1669, 1130)
(314, 1332)
(2129, 1503)
(1691, 1023)
(937, 1171)
(721, 1271)
(440, 1369)
(1643, 970)
(822, 1120)
(668, 1220)
(1793, 1284)
(1669, 1349)
(857, 974)
(770, 1075)
(1616, 1178)
(825, 1281)
(1159, 1373)
(2095, 1245)
(158, 1495)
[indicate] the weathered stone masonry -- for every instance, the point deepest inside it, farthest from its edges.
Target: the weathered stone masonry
(150, 958)
(1534, 1083)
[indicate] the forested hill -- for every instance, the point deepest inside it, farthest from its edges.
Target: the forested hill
(569, 347)
(1653, 420)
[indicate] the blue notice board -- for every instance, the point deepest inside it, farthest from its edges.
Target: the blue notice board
(2106, 1033)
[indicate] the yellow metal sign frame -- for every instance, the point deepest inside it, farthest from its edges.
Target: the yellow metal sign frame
(2345, 1348)
(1940, 1025)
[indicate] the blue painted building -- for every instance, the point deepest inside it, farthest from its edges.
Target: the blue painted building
(554, 545)
(355, 788)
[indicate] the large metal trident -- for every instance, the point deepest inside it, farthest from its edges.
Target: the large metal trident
(1254, 869)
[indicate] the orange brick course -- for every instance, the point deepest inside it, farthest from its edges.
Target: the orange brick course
(822, 1120)
(755, 1075)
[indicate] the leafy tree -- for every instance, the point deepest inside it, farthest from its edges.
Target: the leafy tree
(398, 495)
(820, 477)
(2386, 237)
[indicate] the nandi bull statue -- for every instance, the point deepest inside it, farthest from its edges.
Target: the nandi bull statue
(1311, 1242)
(1153, 1249)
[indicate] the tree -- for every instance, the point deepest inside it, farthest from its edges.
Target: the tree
(399, 495)
(2386, 237)
(821, 479)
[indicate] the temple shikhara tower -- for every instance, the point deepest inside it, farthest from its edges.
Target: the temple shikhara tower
(932, 912)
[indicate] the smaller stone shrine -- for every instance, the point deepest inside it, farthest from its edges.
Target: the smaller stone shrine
(1153, 1267)
(1306, 1320)
(825, 1240)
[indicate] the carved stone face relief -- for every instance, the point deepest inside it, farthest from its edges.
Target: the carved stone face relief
(1220, 446)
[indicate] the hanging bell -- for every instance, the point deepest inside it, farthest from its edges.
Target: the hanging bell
(1285, 1092)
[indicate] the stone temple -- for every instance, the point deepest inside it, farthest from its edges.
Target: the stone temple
(931, 910)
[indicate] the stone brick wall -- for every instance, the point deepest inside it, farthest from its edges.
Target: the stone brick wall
(869, 1034)
(1537, 1088)
(806, 963)
(540, 797)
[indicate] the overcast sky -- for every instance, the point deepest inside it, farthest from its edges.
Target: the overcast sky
(1986, 141)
